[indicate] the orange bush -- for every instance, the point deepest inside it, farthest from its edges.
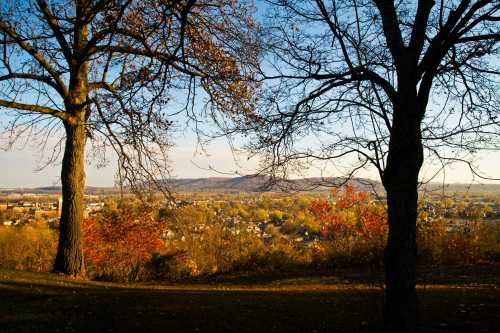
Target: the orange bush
(356, 228)
(118, 244)
(348, 213)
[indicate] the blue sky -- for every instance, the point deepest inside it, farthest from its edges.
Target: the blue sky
(18, 166)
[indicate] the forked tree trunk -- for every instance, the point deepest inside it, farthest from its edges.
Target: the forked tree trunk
(69, 258)
(401, 181)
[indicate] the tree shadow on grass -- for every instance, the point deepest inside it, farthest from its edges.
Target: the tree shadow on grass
(44, 303)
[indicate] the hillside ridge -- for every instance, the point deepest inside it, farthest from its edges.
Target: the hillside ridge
(264, 184)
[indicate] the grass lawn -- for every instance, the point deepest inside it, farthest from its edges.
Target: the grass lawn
(40, 302)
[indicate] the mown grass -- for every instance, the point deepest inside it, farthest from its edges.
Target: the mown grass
(40, 302)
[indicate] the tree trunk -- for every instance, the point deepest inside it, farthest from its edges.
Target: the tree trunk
(69, 258)
(401, 181)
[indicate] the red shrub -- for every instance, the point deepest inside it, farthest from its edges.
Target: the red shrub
(349, 213)
(118, 244)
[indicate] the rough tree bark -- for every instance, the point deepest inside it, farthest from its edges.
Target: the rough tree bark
(69, 258)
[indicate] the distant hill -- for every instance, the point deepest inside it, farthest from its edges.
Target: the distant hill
(222, 184)
(57, 190)
(262, 184)
(462, 187)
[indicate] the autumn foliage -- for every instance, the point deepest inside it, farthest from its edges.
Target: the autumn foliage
(117, 244)
(217, 234)
(349, 213)
(29, 247)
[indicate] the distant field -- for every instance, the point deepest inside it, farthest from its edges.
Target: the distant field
(39, 302)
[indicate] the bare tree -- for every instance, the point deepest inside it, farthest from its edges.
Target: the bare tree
(114, 72)
(383, 83)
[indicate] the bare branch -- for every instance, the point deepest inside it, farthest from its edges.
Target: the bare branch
(36, 108)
